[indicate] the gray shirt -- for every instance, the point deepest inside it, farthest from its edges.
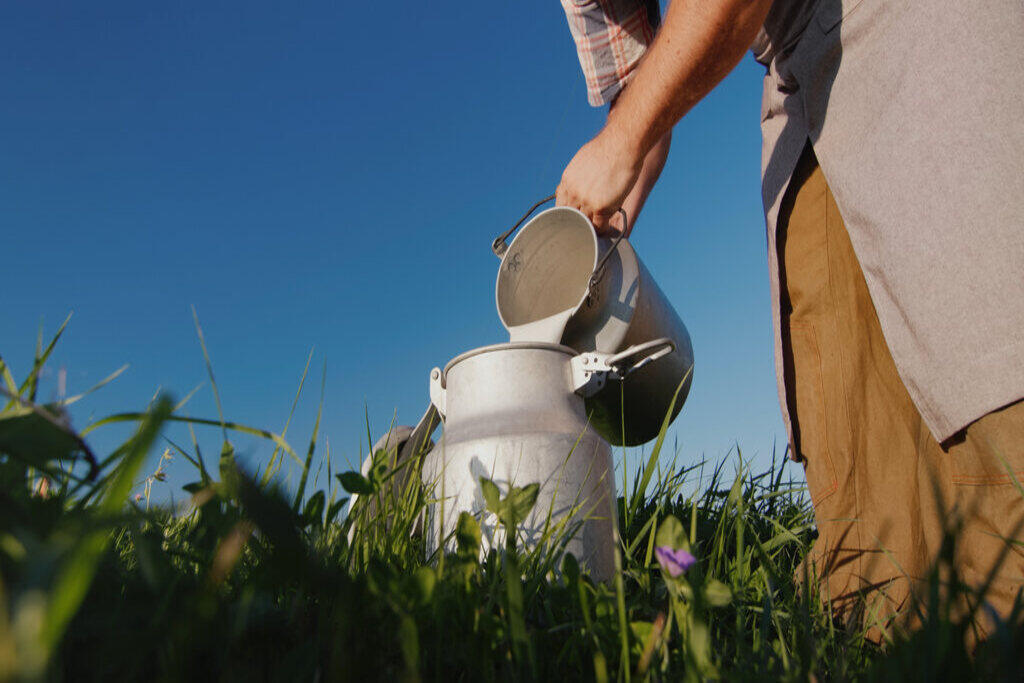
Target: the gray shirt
(915, 109)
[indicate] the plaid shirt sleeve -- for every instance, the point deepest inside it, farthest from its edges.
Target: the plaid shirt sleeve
(611, 36)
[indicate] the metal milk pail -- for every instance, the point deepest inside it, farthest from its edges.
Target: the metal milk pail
(559, 282)
(514, 413)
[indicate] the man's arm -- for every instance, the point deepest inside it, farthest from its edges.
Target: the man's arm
(699, 43)
(649, 172)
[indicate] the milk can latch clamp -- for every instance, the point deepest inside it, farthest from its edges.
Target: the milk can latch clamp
(591, 370)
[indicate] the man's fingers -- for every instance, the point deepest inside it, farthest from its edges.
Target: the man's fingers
(565, 197)
(602, 226)
(602, 221)
(616, 224)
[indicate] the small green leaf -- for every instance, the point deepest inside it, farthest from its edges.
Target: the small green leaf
(228, 470)
(570, 569)
(467, 537)
(422, 585)
(641, 631)
(379, 469)
(699, 646)
(33, 439)
(672, 534)
(520, 501)
(334, 508)
(492, 495)
(717, 593)
(313, 513)
(353, 482)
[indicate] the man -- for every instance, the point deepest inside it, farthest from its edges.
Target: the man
(897, 264)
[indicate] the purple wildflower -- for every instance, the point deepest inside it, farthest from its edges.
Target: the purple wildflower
(675, 562)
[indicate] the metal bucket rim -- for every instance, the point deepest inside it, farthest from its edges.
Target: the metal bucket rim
(507, 346)
(523, 230)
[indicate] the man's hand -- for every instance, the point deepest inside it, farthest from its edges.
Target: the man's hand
(599, 178)
(579, 176)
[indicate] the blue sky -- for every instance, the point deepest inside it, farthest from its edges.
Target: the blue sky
(330, 176)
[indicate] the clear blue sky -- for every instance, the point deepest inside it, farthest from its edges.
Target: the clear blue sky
(330, 175)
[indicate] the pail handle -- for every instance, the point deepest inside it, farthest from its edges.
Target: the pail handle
(599, 270)
(664, 345)
(499, 246)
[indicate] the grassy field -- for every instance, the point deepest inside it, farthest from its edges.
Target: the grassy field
(250, 581)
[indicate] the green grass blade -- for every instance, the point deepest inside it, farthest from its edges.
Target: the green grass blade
(209, 371)
(273, 463)
(232, 426)
(8, 379)
(76, 574)
(641, 487)
(312, 444)
(31, 383)
(99, 385)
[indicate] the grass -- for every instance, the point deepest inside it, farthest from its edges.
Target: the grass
(249, 581)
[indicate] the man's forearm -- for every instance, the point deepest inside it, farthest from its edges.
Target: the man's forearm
(698, 45)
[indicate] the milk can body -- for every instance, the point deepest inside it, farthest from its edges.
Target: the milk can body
(511, 415)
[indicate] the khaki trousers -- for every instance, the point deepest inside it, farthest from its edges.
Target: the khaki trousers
(884, 491)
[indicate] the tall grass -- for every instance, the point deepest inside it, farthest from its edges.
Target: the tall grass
(249, 581)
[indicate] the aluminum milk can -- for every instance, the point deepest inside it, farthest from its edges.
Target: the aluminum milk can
(559, 282)
(514, 413)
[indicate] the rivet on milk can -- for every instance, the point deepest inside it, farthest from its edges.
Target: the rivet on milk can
(514, 413)
(559, 282)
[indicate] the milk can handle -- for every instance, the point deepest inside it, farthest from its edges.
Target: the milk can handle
(498, 246)
(664, 345)
(591, 370)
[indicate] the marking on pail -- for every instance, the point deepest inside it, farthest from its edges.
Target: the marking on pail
(513, 262)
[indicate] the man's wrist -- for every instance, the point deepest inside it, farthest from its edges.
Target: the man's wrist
(623, 143)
